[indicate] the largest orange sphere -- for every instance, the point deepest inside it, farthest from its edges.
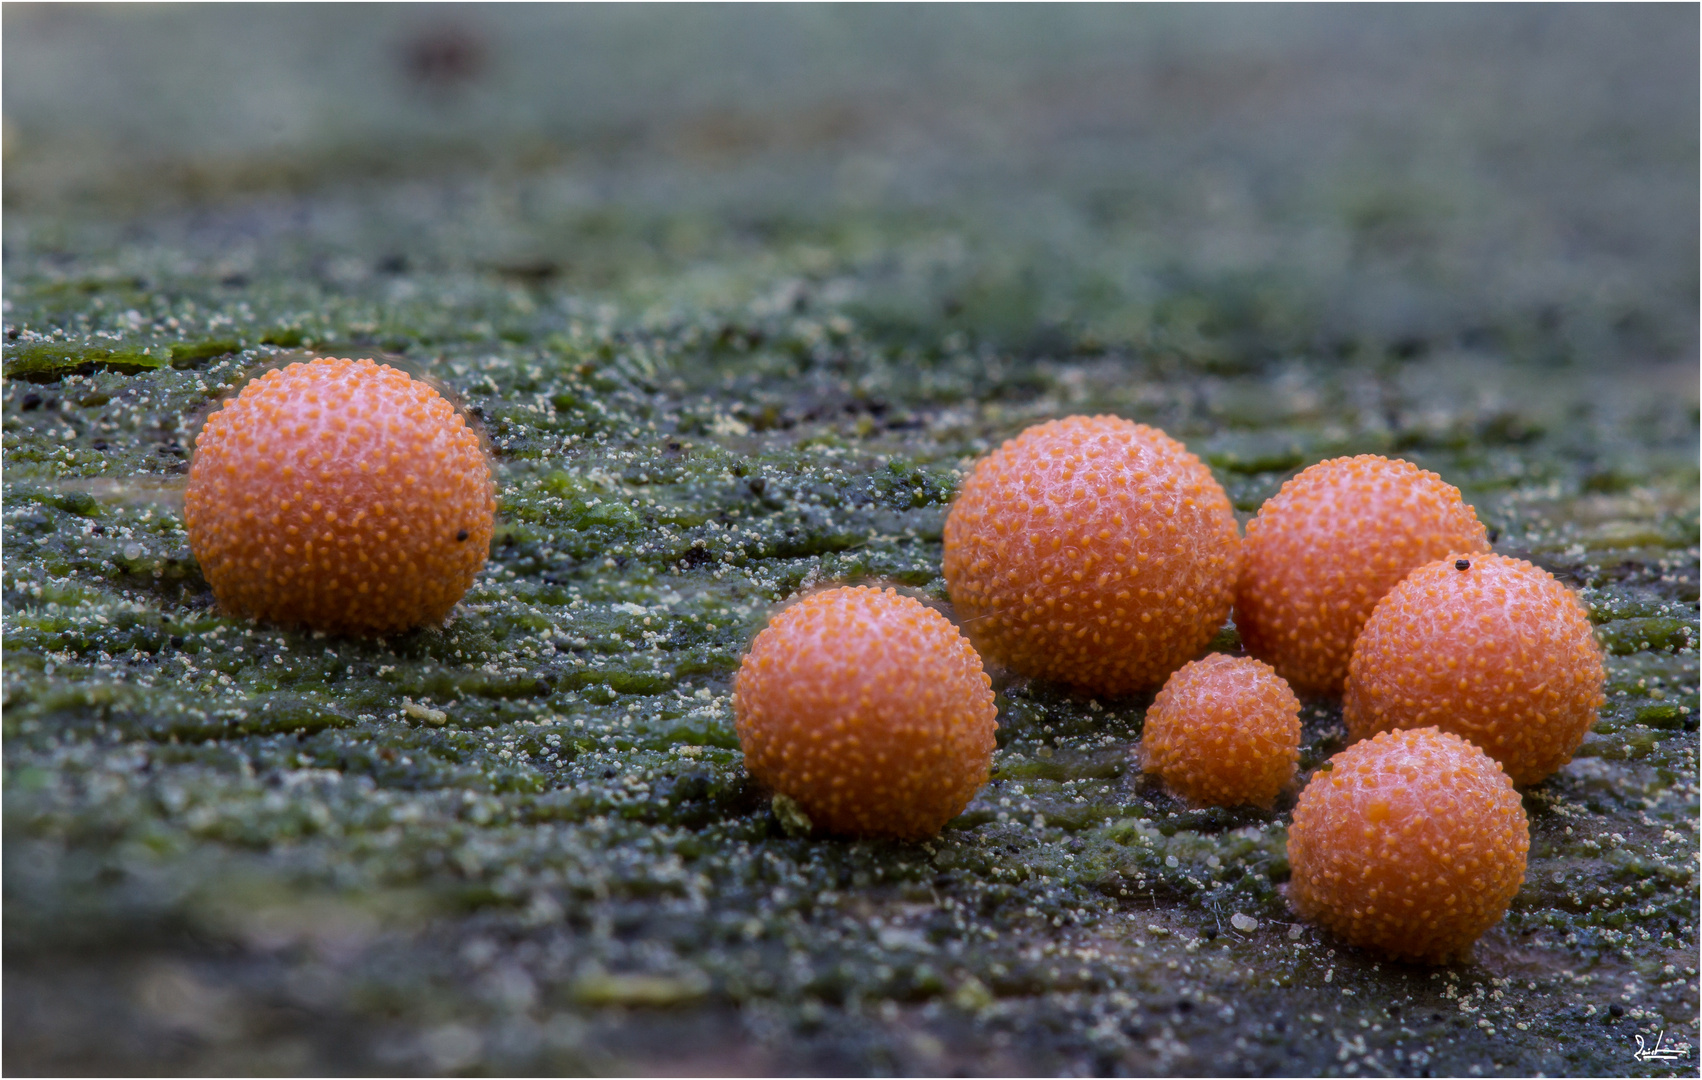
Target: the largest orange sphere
(340, 495)
(869, 710)
(1093, 551)
(1328, 546)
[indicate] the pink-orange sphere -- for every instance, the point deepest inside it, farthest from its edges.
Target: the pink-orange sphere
(869, 710)
(1224, 731)
(340, 495)
(1322, 551)
(1492, 649)
(1092, 551)
(1412, 843)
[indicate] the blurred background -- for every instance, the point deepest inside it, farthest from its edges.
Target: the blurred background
(1380, 168)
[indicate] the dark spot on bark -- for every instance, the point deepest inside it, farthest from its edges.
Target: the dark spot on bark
(444, 58)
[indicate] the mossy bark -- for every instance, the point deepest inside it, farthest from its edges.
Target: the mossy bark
(524, 841)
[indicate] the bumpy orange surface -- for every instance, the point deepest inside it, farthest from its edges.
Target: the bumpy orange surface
(1092, 551)
(1412, 843)
(1328, 546)
(868, 709)
(341, 495)
(1491, 648)
(1224, 731)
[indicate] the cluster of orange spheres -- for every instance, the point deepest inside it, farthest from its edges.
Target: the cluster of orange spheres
(1093, 551)
(1100, 553)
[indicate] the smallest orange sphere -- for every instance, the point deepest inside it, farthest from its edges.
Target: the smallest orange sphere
(1224, 731)
(868, 709)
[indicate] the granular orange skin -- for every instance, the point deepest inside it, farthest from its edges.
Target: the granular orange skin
(1412, 843)
(1499, 653)
(339, 495)
(869, 710)
(1092, 551)
(1322, 551)
(1224, 731)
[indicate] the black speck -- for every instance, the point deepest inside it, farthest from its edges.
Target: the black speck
(1462, 564)
(176, 642)
(1494, 535)
(1617, 1010)
(31, 402)
(234, 281)
(461, 536)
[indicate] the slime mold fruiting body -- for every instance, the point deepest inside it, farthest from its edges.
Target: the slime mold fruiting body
(1224, 731)
(869, 710)
(1412, 843)
(1324, 549)
(339, 495)
(1092, 551)
(1492, 649)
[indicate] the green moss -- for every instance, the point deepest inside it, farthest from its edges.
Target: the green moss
(192, 355)
(45, 362)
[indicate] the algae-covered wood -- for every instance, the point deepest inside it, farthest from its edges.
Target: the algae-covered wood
(737, 297)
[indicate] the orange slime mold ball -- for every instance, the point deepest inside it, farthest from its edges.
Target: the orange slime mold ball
(1328, 546)
(1492, 649)
(1412, 843)
(1092, 551)
(1223, 731)
(340, 495)
(868, 709)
